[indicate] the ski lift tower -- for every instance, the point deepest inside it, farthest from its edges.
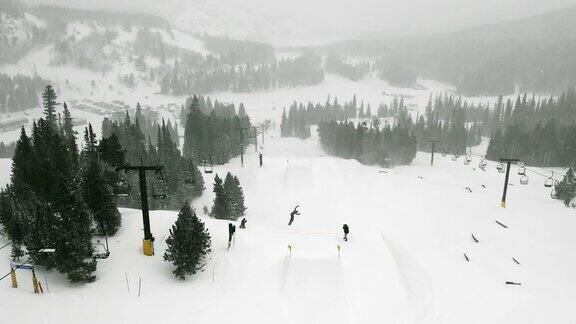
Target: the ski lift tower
(242, 129)
(148, 242)
(433, 149)
(508, 163)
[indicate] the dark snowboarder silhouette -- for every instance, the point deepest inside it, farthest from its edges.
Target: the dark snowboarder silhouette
(243, 223)
(346, 231)
(230, 232)
(294, 212)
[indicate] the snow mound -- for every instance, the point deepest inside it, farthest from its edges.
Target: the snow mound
(314, 291)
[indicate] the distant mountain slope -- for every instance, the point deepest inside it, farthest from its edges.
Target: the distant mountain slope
(536, 53)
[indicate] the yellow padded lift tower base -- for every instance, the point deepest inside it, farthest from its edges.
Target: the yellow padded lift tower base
(148, 247)
(503, 204)
(14, 281)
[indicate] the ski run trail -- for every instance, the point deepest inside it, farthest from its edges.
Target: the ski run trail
(404, 262)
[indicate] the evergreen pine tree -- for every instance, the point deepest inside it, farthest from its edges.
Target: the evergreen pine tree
(221, 207)
(49, 100)
(22, 165)
(566, 189)
(98, 194)
(235, 196)
(69, 133)
(188, 244)
(238, 194)
(284, 126)
(193, 132)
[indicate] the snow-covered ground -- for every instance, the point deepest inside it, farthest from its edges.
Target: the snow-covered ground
(404, 261)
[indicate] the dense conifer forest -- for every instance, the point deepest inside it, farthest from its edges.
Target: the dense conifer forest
(20, 92)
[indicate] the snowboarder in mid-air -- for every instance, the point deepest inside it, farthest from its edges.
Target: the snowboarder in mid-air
(243, 223)
(346, 231)
(294, 212)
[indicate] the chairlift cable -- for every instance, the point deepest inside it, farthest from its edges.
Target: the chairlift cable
(5, 245)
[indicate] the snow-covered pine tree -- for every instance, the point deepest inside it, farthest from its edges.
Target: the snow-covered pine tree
(239, 206)
(284, 127)
(49, 100)
(221, 207)
(13, 223)
(22, 165)
(69, 133)
(235, 196)
(188, 244)
(566, 189)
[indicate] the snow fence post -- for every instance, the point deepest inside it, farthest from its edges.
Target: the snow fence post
(46, 281)
(37, 288)
(290, 251)
(127, 284)
(338, 246)
(139, 286)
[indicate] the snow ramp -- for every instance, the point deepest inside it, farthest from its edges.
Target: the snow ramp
(314, 291)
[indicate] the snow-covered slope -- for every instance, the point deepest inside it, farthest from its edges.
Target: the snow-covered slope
(403, 263)
(19, 28)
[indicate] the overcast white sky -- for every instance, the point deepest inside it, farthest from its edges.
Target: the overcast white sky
(293, 22)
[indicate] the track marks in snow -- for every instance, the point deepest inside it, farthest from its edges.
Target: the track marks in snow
(414, 279)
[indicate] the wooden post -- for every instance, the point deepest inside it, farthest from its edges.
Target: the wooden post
(14, 280)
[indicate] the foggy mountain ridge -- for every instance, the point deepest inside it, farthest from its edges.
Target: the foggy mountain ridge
(532, 53)
(308, 23)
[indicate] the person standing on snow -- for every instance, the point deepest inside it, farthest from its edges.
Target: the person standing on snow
(243, 223)
(294, 212)
(230, 233)
(346, 231)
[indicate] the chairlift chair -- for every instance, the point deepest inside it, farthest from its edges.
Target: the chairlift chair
(189, 175)
(549, 182)
(500, 167)
(208, 166)
(524, 180)
(123, 187)
(522, 171)
(101, 254)
(483, 164)
(159, 186)
(554, 194)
